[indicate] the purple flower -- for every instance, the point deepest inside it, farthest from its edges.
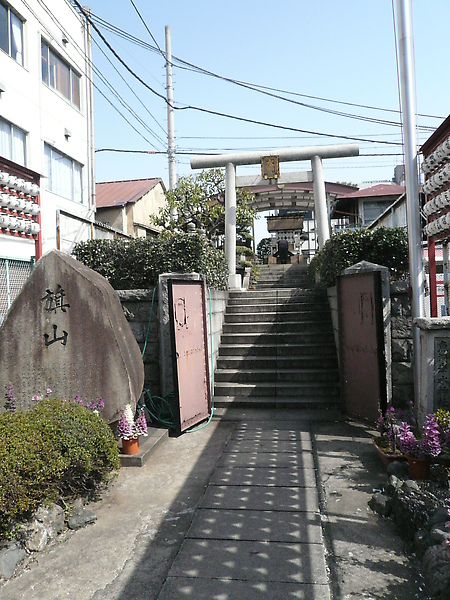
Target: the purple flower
(124, 428)
(408, 442)
(431, 444)
(78, 399)
(10, 402)
(141, 424)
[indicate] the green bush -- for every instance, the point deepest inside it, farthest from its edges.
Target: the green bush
(56, 450)
(383, 246)
(137, 263)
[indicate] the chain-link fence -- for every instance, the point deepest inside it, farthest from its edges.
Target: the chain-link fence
(13, 274)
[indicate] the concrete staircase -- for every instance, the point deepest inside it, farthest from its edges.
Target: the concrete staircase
(277, 347)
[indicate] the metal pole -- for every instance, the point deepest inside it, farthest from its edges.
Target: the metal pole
(320, 201)
(230, 224)
(404, 14)
(446, 278)
(170, 113)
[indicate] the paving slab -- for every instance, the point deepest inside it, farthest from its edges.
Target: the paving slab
(182, 588)
(258, 434)
(256, 525)
(268, 445)
(250, 561)
(280, 476)
(260, 498)
(267, 459)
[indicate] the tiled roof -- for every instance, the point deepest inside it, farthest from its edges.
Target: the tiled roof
(381, 189)
(119, 193)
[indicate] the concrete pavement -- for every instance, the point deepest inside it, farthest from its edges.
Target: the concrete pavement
(260, 504)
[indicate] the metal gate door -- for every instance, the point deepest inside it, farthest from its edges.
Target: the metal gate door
(361, 345)
(187, 304)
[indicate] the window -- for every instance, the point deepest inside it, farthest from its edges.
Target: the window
(372, 210)
(62, 175)
(11, 33)
(12, 142)
(58, 75)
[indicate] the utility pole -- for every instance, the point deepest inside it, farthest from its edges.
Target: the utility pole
(170, 113)
(404, 16)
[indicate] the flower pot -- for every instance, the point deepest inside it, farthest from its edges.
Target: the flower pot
(386, 457)
(130, 446)
(419, 468)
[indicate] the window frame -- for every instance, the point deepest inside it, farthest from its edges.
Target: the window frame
(10, 14)
(53, 180)
(12, 138)
(53, 70)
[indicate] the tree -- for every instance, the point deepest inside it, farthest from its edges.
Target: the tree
(201, 200)
(264, 248)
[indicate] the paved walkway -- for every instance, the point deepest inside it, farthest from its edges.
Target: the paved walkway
(260, 504)
(257, 531)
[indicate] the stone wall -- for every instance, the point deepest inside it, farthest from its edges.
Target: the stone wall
(219, 300)
(333, 302)
(402, 344)
(137, 305)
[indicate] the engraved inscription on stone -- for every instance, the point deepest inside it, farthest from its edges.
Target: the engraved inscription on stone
(441, 373)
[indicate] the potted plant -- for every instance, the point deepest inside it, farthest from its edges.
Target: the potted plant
(387, 444)
(129, 430)
(420, 450)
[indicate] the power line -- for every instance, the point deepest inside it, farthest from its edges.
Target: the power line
(218, 113)
(253, 86)
(83, 55)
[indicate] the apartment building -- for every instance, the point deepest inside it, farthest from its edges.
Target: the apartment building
(46, 127)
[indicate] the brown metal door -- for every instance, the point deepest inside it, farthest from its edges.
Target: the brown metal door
(187, 304)
(361, 345)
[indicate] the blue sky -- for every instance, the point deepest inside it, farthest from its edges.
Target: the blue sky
(344, 52)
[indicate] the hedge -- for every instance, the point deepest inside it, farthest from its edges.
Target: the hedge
(56, 450)
(137, 263)
(383, 246)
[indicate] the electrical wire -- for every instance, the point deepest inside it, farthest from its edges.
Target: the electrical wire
(255, 87)
(82, 54)
(214, 112)
(147, 28)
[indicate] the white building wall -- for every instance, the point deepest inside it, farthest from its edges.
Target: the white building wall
(46, 116)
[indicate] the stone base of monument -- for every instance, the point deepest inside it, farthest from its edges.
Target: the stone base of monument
(147, 445)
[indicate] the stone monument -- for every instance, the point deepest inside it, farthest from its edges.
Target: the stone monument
(66, 331)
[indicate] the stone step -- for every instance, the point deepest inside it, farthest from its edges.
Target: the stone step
(304, 327)
(280, 402)
(247, 362)
(280, 316)
(287, 293)
(273, 305)
(311, 351)
(289, 376)
(276, 339)
(293, 390)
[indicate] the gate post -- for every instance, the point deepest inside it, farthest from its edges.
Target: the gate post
(365, 340)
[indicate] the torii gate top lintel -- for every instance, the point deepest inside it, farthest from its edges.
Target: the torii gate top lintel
(284, 154)
(313, 153)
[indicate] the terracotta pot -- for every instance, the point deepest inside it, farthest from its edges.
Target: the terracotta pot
(130, 446)
(419, 468)
(387, 457)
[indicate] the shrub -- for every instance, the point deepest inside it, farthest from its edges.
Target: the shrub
(383, 246)
(56, 450)
(137, 263)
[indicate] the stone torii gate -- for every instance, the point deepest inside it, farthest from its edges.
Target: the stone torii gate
(313, 153)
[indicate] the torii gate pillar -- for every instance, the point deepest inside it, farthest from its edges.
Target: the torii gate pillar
(315, 154)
